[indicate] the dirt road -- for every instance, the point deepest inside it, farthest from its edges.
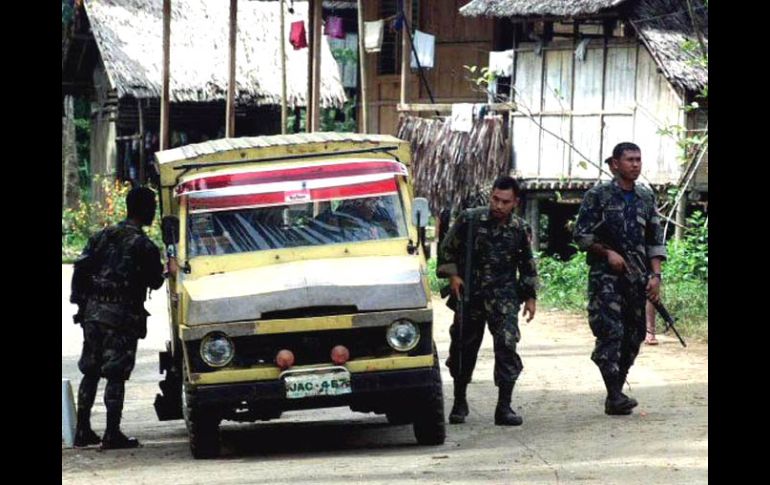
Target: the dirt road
(566, 437)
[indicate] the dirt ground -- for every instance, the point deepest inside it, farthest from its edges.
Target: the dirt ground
(566, 437)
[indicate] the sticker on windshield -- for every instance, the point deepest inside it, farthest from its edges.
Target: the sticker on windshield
(297, 196)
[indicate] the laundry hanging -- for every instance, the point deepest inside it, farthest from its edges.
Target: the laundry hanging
(373, 32)
(334, 28)
(297, 36)
(501, 63)
(462, 117)
(425, 46)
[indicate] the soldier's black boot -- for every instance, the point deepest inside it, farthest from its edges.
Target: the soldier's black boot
(113, 438)
(616, 403)
(632, 403)
(84, 435)
(460, 406)
(504, 415)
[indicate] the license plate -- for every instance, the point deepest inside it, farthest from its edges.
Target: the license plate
(313, 384)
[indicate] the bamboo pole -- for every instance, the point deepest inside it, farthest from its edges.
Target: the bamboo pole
(405, 48)
(317, 14)
(362, 66)
(230, 125)
(164, 102)
(283, 69)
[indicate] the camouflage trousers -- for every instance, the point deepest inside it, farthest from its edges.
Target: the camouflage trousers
(501, 314)
(616, 314)
(107, 352)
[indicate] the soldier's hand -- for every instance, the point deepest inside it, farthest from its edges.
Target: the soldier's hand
(616, 261)
(529, 307)
(653, 290)
(456, 284)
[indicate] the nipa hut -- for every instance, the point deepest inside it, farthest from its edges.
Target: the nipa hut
(113, 55)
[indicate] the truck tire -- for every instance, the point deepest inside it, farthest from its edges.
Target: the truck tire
(398, 418)
(429, 426)
(202, 427)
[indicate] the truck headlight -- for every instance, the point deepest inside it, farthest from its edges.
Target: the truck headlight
(217, 349)
(403, 335)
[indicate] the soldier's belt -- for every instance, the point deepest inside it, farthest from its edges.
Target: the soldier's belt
(103, 298)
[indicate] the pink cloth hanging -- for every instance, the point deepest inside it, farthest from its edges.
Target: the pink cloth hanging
(334, 28)
(297, 36)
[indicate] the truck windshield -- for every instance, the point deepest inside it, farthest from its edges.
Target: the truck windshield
(315, 223)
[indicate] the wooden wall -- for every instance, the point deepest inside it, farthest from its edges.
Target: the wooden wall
(459, 40)
(615, 94)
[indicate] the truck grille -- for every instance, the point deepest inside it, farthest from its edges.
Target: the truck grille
(310, 347)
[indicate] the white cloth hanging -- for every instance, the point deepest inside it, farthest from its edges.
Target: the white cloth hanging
(462, 117)
(373, 32)
(501, 63)
(425, 46)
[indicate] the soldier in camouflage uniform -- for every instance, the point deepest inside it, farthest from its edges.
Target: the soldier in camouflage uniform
(109, 286)
(624, 212)
(501, 246)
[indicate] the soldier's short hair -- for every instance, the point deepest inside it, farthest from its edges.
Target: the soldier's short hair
(140, 202)
(617, 152)
(505, 182)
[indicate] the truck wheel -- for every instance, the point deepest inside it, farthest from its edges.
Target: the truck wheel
(429, 426)
(397, 418)
(202, 427)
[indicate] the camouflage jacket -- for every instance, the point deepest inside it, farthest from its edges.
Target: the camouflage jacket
(635, 225)
(112, 274)
(499, 253)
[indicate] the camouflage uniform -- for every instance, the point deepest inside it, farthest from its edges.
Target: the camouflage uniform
(616, 311)
(110, 283)
(496, 292)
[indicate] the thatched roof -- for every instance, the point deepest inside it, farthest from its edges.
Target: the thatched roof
(536, 8)
(128, 34)
(664, 26)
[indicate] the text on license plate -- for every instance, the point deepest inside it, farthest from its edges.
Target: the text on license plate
(317, 384)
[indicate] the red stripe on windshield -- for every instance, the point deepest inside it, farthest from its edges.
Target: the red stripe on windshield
(292, 174)
(281, 198)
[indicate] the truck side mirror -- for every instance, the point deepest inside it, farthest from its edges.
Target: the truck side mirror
(169, 227)
(420, 212)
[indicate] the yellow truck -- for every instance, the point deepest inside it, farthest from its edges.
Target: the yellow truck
(300, 282)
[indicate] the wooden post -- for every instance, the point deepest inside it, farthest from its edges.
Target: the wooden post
(512, 96)
(283, 69)
(405, 49)
(317, 17)
(230, 124)
(311, 48)
(141, 141)
(533, 211)
(362, 65)
(164, 102)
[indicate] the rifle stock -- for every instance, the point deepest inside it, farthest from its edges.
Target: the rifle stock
(637, 275)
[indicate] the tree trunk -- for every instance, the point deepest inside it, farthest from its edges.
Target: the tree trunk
(70, 178)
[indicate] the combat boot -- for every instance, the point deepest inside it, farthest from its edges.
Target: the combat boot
(504, 415)
(460, 407)
(84, 435)
(616, 402)
(113, 438)
(632, 403)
